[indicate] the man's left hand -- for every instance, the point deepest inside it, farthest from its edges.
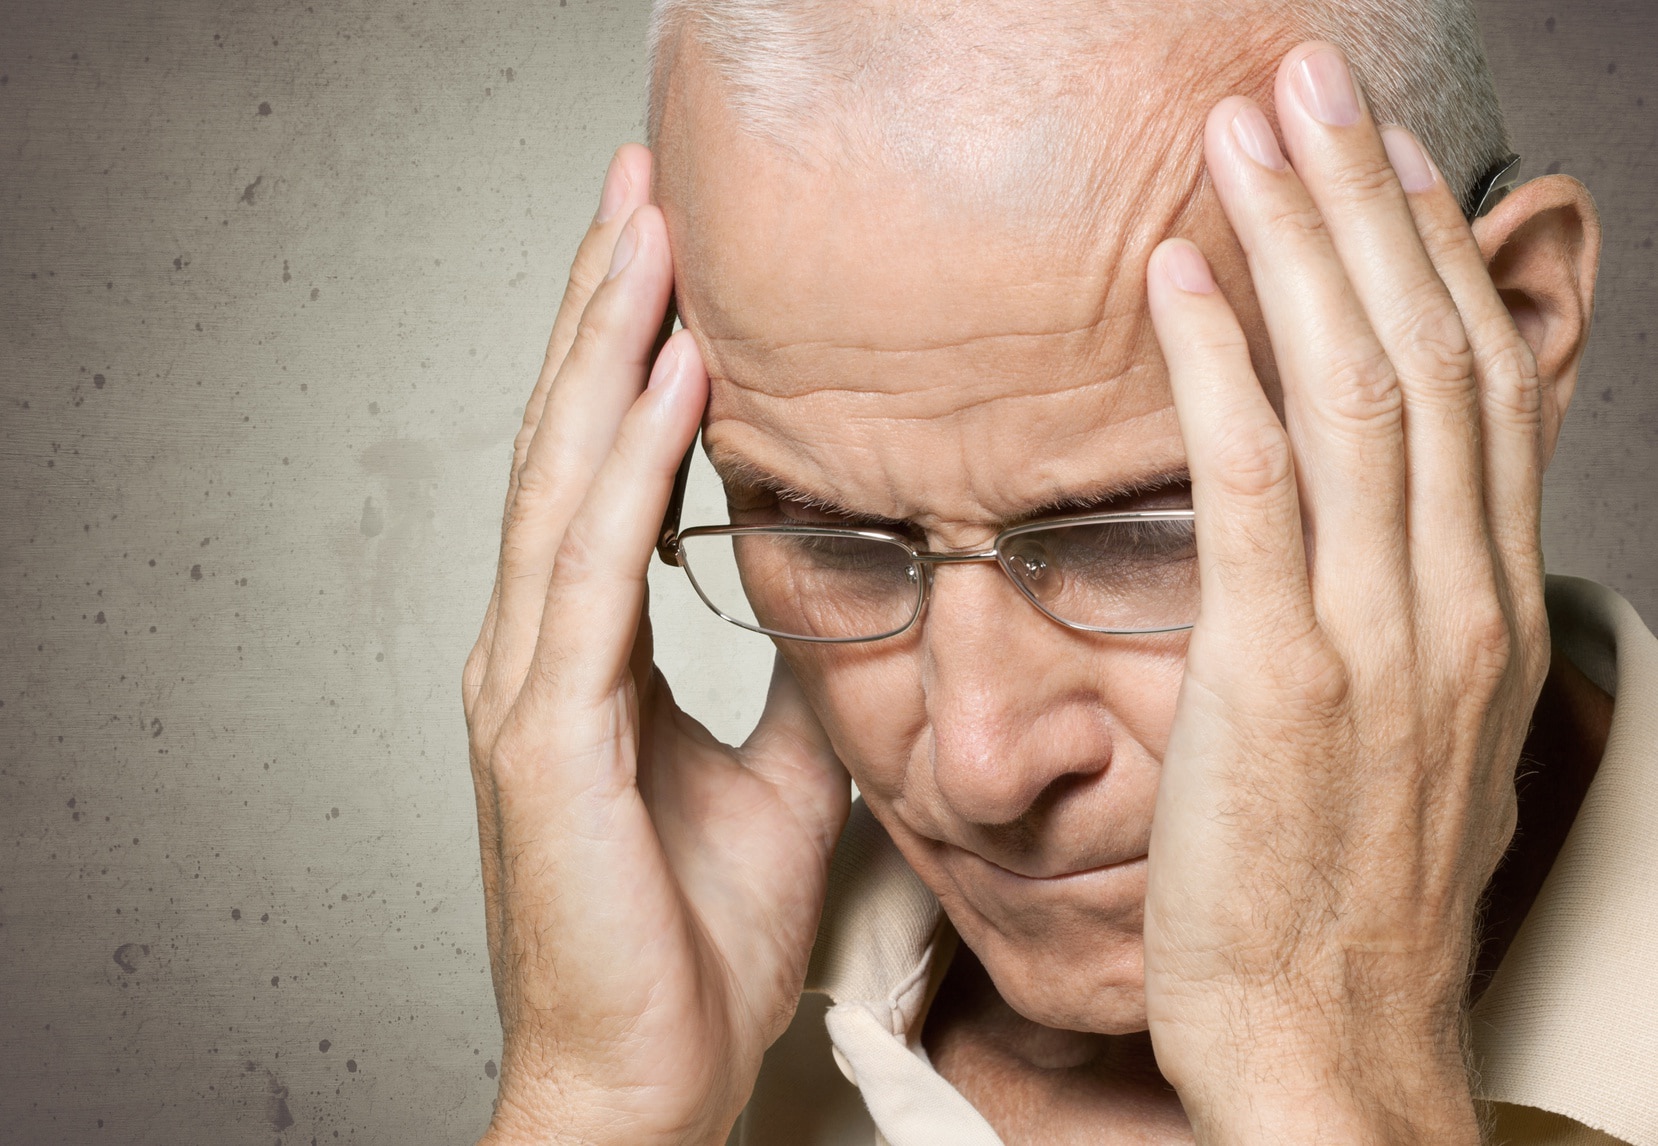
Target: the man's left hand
(1339, 785)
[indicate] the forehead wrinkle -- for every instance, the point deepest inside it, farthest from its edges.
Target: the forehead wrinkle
(1116, 326)
(976, 316)
(772, 345)
(875, 460)
(1086, 357)
(1113, 384)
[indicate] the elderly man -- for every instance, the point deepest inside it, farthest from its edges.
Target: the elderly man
(1135, 455)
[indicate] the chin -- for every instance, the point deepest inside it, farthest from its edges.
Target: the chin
(1090, 983)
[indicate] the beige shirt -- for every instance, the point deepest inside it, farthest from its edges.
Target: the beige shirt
(1566, 1036)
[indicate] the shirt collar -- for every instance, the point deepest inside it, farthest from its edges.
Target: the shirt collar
(1570, 1021)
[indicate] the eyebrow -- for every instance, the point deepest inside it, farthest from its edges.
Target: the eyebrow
(740, 472)
(743, 473)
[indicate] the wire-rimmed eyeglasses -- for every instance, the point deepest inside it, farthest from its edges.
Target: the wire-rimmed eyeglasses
(1121, 573)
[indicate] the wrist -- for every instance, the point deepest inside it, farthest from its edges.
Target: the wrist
(1283, 1092)
(549, 1119)
(1373, 1053)
(1274, 1114)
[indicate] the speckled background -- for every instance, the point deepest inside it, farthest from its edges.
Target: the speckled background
(274, 280)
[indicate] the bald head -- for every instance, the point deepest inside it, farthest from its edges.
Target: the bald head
(1011, 103)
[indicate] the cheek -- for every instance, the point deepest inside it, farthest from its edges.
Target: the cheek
(1143, 694)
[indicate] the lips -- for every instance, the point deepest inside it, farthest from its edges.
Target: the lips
(1048, 874)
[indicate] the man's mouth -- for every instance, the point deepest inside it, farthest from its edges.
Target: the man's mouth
(1054, 875)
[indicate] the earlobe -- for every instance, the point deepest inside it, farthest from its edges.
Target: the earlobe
(1542, 245)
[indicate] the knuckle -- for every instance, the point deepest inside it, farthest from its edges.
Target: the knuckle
(472, 678)
(1326, 686)
(1441, 360)
(591, 335)
(536, 484)
(1295, 223)
(512, 749)
(1253, 458)
(1367, 180)
(1220, 342)
(1308, 682)
(1443, 230)
(586, 272)
(1363, 389)
(1512, 387)
(521, 440)
(579, 558)
(1486, 640)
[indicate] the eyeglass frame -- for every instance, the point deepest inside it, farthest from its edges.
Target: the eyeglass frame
(668, 550)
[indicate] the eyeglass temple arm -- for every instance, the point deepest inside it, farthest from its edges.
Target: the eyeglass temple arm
(1493, 186)
(667, 540)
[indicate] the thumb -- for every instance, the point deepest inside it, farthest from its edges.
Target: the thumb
(790, 748)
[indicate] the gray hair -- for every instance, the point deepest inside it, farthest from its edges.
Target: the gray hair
(992, 96)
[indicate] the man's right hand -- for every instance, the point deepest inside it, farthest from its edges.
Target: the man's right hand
(652, 894)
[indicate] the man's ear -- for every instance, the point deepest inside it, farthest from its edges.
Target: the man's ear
(1542, 245)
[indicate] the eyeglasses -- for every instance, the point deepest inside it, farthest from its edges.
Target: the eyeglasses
(1124, 573)
(1492, 187)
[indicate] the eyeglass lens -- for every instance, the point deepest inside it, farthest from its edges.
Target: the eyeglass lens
(1133, 575)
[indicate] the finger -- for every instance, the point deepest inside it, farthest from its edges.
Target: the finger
(626, 187)
(1251, 558)
(487, 799)
(1342, 402)
(1351, 177)
(790, 747)
(600, 379)
(597, 587)
(1510, 396)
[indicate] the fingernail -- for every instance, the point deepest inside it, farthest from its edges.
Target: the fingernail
(1255, 135)
(623, 254)
(1325, 86)
(1410, 162)
(615, 193)
(670, 364)
(1187, 269)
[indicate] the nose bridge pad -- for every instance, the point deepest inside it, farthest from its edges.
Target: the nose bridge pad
(1029, 566)
(930, 571)
(1027, 594)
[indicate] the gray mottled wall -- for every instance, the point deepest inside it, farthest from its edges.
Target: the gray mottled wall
(273, 283)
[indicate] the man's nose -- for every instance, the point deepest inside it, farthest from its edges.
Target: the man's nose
(1010, 704)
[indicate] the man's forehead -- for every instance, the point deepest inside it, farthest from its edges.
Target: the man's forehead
(853, 309)
(812, 263)
(796, 278)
